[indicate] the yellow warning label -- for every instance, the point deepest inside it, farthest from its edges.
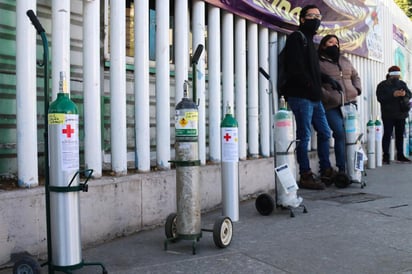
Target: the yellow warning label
(56, 118)
(192, 116)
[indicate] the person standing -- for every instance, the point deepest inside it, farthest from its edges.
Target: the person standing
(303, 94)
(340, 80)
(393, 96)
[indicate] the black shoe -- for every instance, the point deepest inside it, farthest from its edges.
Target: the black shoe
(327, 176)
(385, 159)
(308, 181)
(403, 159)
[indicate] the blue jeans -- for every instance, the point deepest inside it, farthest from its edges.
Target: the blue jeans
(309, 113)
(335, 121)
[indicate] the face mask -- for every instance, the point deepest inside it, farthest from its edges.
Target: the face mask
(394, 81)
(332, 52)
(311, 25)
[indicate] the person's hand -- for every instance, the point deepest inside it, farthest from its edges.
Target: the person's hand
(399, 93)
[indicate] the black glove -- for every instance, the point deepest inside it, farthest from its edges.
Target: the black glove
(326, 79)
(335, 85)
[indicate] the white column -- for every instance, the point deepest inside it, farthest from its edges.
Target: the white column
(26, 96)
(60, 43)
(162, 85)
(253, 89)
(118, 86)
(91, 87)
(240, 84)
(273, 72)
(198, 26)
(227, 60)
(214, 83)
(141, 84)
(181, 46)
(264, 97)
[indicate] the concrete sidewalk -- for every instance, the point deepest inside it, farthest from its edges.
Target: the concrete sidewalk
(349, 230)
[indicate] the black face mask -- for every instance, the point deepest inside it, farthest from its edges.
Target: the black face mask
(332, 52)
(394, 81)
(310, 26)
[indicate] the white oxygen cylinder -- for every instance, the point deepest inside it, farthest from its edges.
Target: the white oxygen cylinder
(351, 131)
(406, 138)
(410, 133)
(313, 144)
(371, 132)
(285, 146)
(378, 141)
(392, 149)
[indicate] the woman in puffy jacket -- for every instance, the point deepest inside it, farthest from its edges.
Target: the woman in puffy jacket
(338, 76)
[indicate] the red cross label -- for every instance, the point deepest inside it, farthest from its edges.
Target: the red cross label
(68, 131)
(227, 137)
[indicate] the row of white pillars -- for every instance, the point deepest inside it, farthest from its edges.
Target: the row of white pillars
(232, 56)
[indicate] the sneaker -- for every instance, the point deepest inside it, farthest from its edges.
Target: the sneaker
(403, 159)
(327, 175)
(385, 159)
(308, 181)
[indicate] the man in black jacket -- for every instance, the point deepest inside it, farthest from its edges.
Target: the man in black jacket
(303, 93)
(393, 95)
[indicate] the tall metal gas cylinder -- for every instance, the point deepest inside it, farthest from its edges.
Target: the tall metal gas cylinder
(406, 138)
(351, 134)
(284, 137)
(63, 120)
(371, 134)
(187, 163)
(410, 133)
(230, 166)
(284, 146)
(378, 141)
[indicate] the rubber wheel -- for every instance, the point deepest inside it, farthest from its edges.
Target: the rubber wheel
(222, 232)
(341, 180)
(26, 265)
(170, 226)
(264, 204)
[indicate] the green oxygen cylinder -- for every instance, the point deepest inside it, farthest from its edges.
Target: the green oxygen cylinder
(63, 120)
(230, 166)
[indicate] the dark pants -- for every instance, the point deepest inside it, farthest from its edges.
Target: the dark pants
(388, 125)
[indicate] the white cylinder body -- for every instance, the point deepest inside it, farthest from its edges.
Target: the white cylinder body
(187, 176)
(230, 173)
(284, 137)
(378, 143)
(64, 206)
(351, 131)
(371, 132)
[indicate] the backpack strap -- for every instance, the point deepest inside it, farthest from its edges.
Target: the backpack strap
(305, 41)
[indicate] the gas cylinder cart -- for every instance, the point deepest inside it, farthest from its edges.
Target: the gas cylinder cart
(62, 184)
(186, 223)
(354, 153)
(284, 162)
